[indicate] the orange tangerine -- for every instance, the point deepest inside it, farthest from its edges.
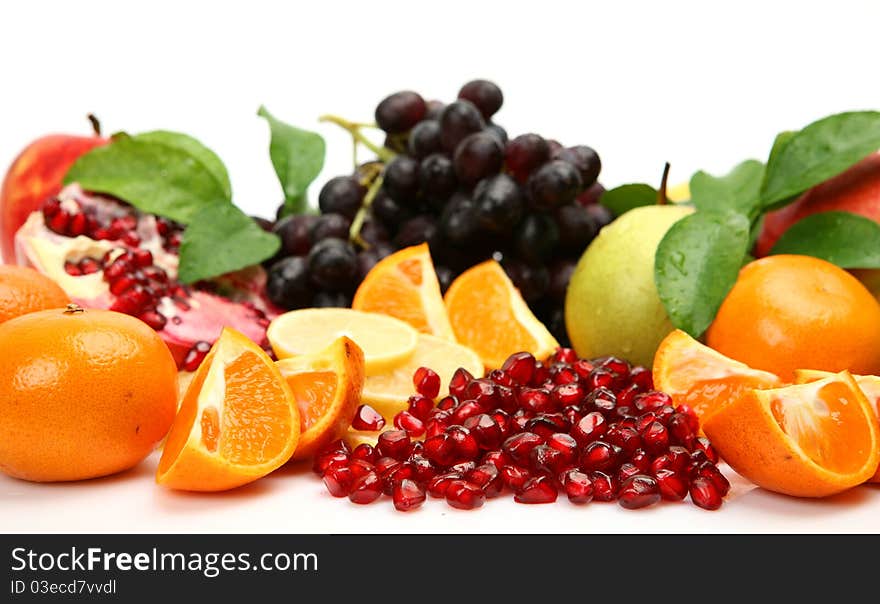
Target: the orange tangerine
(238, 421)
(327, 388)
(806, 440)
(489, 315)
(24, 290)
(404, 285)
(695, 375)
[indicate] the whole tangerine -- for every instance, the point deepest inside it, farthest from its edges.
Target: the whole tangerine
(83, 393)
(792, 312)
(24, 290)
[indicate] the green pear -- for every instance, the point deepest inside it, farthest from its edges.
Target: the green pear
(612, 306)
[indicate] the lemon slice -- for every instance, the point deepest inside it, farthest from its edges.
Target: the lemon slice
(385, 341)
(388, 393)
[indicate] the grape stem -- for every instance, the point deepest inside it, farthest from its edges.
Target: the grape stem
(354, 129)
(354, 234)
(662, 200)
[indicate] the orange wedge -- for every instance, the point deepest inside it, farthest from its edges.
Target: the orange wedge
(806, 440)
(489, 315)
(404, 285)
(238, 421)
(869, 384)
(695, 375)
(327, 388)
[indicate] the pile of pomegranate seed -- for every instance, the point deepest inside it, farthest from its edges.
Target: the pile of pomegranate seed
(591, 430)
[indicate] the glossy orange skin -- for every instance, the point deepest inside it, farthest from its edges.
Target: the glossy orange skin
(791, 312)
(82, 394)
(24, 290)
(36, 174)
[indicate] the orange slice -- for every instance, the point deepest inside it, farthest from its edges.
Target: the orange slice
(404, 285)
(489, 315)
(869, 384)
(385, 341)
(327, 388)
(238, 421)
(388, 393)
(695, 375)
(807, 440)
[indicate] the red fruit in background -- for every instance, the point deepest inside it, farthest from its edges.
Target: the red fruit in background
(35, 175)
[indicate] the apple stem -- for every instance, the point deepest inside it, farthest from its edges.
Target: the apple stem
(96, 124)
(662, 200)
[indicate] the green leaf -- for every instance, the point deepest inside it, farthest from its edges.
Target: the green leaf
(155, 176)
(821, 150)
(220, 240)
(739, 190)
(842, 238)
(208, 158)
(697, 263)
(626, 197)
(298, 156)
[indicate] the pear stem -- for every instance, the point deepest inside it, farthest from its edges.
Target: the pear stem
(662, 200)
(96, 124)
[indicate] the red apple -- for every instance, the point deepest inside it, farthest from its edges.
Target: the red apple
(35, 175)
(856, 190)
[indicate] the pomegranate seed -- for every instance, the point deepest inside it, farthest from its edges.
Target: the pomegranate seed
(464, 443)
(325, 461)
(540, 375)
(72, 268)
(441, 450)
(691, 415)
(420, 406)
(616, 365)
(520, 446)
(545, 425)
(155, 273)
(626, 471)
(175, 239)
(638, 491)
(662, 462)
(437, 486)
(539, 489)
(561, 375)
(488, 478)
(514, 477)
(424, 469)
(483, 392)
(51, 207)
(536, 400)
(704, 494)
(679, 457)
(59, 222)
(565, 355)
(625, 397)
(407, 495)
(577, 486)
(154, 319)
(465, 410)
(604, 486)
(710, 471)
(338, 479)
(78, 224)
(642, 460)
(601, 400)
(121, 285)
(485, 429)
(394, 443)
(196, 355)
(572, 414)
(366, 489)
(463, 467)
(599, 455)
(365, 452)
(642, 377)
(409, 423)
(426, 382)
(547, 460)
(359, 467)
(650, 401)
(89, 266)
(672, 486)
(131, 239)
(395, 475)
(448, 403)
(143, 258)
(568, 394)
(368, 419)
(601, 378)
(460, 379)
(706, 447)
(590, 427)
(582, 367)
(384, 465)
(437, 424)
(464, 495)
(655, 437)
(680, 429)
(565, 444)
(131, 301)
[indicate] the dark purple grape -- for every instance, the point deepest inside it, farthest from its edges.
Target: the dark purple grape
(331, 300)
(330, 226)
(535, 238)
(400, 111)
(499, 203)
(576, 228)
(373, 231)
(295, 233)
(555, 147)
(287, 283)
(332, 264)
(459, 119)
(435, 108)
(459, 221)
(525, 154)
(341, 195)
(388, 210)
(585, 159)
(560, 274)
(437, 177)
(401, 178)
(445, 276)
(484, 94)
(602, 216)
(554, 184)
(366, 260)
(425, 139)
(531, 281)
(415, 231)
(476, 157)
(264, 223)
(555, 322)
(591, 195)
(498, 132)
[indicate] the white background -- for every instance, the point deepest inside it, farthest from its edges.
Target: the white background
(703, 85)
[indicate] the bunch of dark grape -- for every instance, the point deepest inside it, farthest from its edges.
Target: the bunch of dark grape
(455, 180)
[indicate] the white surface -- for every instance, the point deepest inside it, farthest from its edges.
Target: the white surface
(701, 85)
